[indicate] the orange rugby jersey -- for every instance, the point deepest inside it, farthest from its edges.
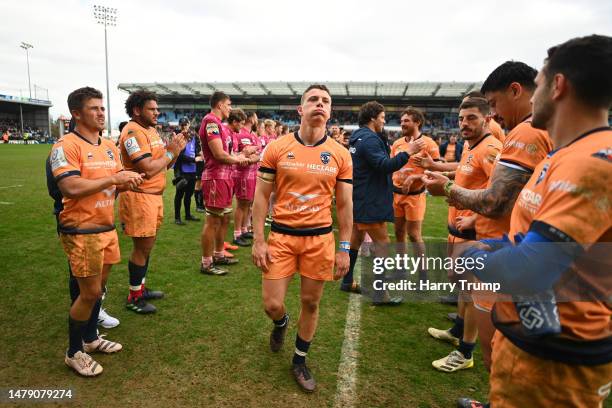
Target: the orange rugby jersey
(138, 143)
(306, 178)
(73, 155)
(474, 170)
(401, 145)
(524, 147)
(497, 131)
(570, 192)
(450, 152)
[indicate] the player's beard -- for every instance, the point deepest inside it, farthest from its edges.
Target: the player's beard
(543, 111)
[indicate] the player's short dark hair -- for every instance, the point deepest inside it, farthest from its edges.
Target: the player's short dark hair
(476, 102)
(78, 97)
(250, 114)
(416, 114)
(474, 94)
(137, 99)
(236, 115)
(586, 62)
(368, 111)
(314, 86)
(507, 73)
(216, 98)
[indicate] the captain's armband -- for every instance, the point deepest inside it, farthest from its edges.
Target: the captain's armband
(266, 175)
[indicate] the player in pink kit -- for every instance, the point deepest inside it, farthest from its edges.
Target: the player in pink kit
(217, 183)
(245, 177)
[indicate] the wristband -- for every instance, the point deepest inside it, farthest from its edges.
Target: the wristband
(344, 246)
(170, 155)
(447, 187)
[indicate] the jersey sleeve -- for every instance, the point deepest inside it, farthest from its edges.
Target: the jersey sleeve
(433, 149)
(345, 171)
(393, 149)
(269, 159)
(487, 156)
(524, 148)
(65, 160)
(211, 131)
(136, 145)
(576, 200)
(117, 157)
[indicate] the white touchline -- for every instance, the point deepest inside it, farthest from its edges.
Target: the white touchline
(347, 369)
(6, 203)
(16, 185)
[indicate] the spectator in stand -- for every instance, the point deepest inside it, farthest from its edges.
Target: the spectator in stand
(185, 173)
(451, 151)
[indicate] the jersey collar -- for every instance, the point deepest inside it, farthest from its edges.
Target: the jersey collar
(470, 147)
(582, 136)
(299, 139)
(81, 136)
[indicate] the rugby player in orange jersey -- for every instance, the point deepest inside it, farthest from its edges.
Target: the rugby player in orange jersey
(473, 172)
(510, 87)
(561, 228)
(307, 169)
(494, 127)
(409, 199)
(142, 210)
(88, 172)
(373, 191)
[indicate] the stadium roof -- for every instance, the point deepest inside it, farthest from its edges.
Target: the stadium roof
(295, 89)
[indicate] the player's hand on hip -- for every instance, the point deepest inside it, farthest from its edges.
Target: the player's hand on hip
(260, 255)
(342, 264)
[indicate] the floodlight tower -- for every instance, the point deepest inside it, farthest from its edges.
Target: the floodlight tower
(26, 47)
(108, 17)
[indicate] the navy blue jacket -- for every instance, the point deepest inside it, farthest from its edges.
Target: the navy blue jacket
(458, 150)
(372, 170)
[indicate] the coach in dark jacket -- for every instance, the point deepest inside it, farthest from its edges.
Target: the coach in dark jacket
(372, 184)
(372, 170)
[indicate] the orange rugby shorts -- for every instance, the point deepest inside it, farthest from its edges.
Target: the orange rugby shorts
(311, 256)
(519, 379)
(141, 214)
(409, 207)
(88, 253)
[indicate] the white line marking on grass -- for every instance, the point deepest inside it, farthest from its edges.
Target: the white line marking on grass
(16, 185)
(6, 203)
(347, 369)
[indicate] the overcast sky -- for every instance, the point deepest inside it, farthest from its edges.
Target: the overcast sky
(274, 40)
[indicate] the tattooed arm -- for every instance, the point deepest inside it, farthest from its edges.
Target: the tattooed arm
(497, 200)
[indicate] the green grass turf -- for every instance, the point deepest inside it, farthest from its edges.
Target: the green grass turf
(208, 343)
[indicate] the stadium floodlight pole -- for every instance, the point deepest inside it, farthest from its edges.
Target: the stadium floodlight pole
(26, 47)
(108, 17)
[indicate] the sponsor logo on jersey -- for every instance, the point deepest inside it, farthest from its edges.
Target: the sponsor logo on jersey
(604, 154)
(325, 156)
(131, 146)
(542, 173)
(290, 155)
(212, 128)
(110, 154)
(58, 158)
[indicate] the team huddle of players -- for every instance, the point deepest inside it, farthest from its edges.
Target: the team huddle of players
(545, 181)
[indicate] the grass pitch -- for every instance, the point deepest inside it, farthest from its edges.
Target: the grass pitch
(208, 344)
